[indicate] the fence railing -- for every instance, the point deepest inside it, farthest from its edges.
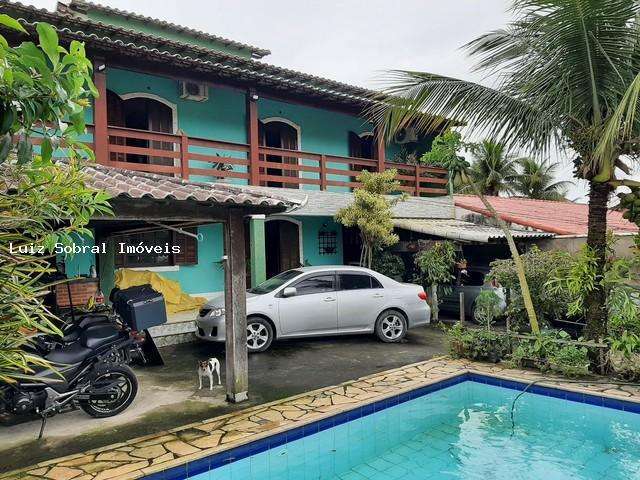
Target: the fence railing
(188, 157)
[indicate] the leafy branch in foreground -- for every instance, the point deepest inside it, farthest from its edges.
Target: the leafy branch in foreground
(44, 90)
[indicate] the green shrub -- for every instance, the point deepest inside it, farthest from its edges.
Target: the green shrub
(389, 264)
(487, 307)
(539, 266)
(477, 343)
(570, 360)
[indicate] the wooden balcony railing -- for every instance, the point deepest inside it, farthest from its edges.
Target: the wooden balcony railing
(209, 160)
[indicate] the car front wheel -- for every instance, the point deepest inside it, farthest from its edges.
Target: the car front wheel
(259, 334)
(391, 326)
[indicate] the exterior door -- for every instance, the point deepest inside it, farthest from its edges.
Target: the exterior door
(279, 135)
(313, 310)
(160, 120)
(359, 293)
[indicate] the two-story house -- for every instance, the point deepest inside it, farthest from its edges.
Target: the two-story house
(184, 103)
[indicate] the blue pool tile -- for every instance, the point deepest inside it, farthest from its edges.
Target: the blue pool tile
(176, 473)
(155, 476)
(198, 466)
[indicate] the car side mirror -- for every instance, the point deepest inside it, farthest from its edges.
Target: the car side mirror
(289, 292)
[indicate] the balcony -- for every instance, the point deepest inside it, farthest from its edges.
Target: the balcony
(200, 159)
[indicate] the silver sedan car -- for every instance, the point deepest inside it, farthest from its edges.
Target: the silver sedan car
(319, 301)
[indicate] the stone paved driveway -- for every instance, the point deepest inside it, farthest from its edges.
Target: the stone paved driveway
(152, 453)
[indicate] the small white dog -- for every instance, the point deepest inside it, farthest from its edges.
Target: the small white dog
(206, 369)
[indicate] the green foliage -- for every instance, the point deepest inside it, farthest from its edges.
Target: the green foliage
(371, 212)
(552, 350)
(493, 170)
(539, 265)
(568, 76)
(435, 263)
(388, 264)
(627, 343)
(570, 360)
(477, 343)
(630, 203)
(44, 90)
(536, 179)
(487, 307)
(444, 154)
(620, 281)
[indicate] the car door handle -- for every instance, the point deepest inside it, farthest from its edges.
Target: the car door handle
(378, 295)
(329, 299)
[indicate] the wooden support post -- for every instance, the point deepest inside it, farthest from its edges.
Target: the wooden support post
(100, 131)
(235, 301)
(417, 167)
(323, 172)
(253, 137)
(462, 312)
(381, 155)
(184, 155)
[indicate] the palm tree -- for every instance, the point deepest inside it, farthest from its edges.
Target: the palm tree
(567, 75)
(535, 179)
(494, 168)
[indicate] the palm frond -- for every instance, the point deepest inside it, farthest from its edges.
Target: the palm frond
(424, 100)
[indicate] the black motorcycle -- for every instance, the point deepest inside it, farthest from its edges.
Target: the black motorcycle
(89, 364)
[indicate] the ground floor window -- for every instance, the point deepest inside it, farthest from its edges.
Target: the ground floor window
(175, 249)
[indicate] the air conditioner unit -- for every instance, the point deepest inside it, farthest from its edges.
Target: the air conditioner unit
(406, 135)
(198, 92)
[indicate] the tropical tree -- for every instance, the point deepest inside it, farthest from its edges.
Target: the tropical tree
(370, 212)
(460, 169)
(566, 76)
(43, 92)
(493, 170)
(536, 179)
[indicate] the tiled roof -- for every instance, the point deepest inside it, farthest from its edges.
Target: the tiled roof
(562, 218)
(461, 230)
(82, 5)
(137, 45)
(317, 203)
(131, 184)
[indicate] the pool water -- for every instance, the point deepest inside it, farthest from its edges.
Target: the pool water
(460, 432)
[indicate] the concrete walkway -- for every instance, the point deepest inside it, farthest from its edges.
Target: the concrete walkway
(168, 396)
(162, 450)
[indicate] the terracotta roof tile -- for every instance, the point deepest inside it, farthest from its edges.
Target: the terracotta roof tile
(562, 218)
(132, 184)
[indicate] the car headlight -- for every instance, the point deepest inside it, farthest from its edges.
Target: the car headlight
(217, 312)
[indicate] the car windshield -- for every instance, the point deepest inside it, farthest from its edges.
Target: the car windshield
(275, 282)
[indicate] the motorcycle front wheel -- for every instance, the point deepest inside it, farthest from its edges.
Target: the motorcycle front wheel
(122, 385)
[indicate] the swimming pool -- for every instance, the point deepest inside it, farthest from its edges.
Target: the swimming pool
(457, 429)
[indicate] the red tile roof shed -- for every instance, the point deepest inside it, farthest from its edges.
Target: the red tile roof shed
(561, 218)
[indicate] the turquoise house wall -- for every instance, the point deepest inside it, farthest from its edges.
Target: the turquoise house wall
(310, 251)
(220, 117)
(208, 275)
(321, 131)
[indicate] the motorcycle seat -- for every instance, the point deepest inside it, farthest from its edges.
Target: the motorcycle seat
(97, 336)
(69, 354)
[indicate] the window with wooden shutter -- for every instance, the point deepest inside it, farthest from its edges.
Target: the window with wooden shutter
(166, 239)
(188, 247)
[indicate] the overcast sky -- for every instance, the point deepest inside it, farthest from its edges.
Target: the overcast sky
(347, 40)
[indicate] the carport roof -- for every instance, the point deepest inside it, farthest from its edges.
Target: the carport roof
(123, 183)
(318, 203)
(461, 230)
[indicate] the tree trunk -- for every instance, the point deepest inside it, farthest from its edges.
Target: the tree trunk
(435, 310)
(522, 278)
(596, 301)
